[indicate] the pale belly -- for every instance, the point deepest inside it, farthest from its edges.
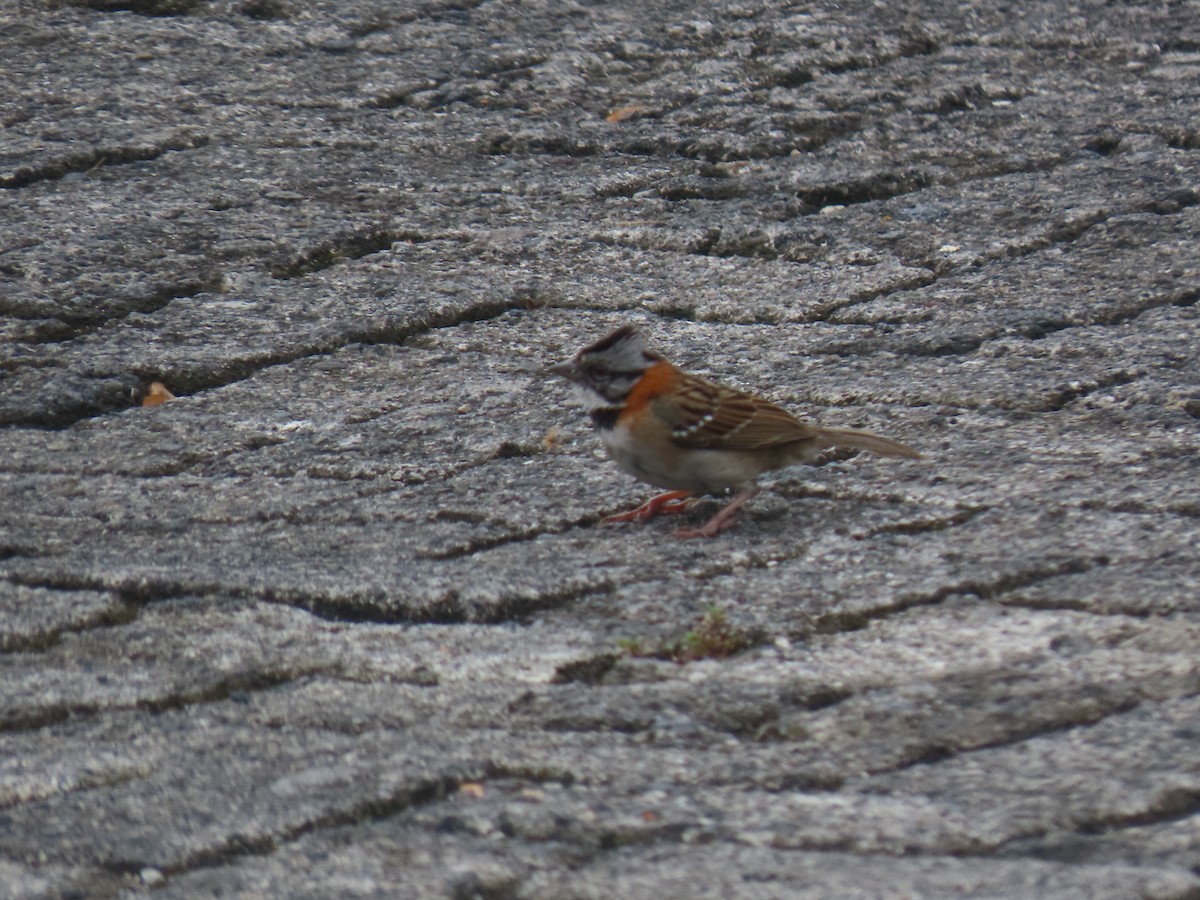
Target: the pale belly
(694, 471)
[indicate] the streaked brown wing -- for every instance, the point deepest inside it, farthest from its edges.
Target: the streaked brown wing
(703, 415)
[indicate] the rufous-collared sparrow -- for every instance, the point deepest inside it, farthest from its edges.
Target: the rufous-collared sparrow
(691, 436)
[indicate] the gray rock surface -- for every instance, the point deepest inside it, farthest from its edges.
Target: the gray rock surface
(341, 619)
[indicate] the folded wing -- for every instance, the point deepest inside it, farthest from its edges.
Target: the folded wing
(703, 415)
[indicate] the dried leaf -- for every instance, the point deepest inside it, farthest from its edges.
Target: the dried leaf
(157, 395)
(632, 111)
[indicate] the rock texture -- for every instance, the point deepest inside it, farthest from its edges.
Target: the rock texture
(341, 620)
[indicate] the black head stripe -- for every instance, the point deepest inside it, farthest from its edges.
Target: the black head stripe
(625, 332)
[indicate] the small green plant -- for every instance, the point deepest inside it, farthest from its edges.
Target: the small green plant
(712, 637)
(633, 647)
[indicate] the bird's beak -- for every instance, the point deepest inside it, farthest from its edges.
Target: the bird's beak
(567, 370)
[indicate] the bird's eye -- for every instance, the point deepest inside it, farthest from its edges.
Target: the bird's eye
(598, 369)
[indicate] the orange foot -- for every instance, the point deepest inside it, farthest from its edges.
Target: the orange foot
(663, 504)
(722, 520)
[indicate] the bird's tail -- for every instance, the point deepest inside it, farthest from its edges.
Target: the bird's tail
(863, 440)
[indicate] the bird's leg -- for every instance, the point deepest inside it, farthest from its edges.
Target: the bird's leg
(670, 502)
(722, 519)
